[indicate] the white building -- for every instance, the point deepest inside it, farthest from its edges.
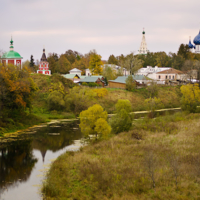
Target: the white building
(150, 71)
(143, 46)
(75, 71)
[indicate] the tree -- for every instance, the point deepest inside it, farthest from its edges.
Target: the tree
(109, 72)
(184, 51)
(63, 65)
(72, 56)
(122, 120)
(53, 59)
(16, 89)
(94, 121)
(112, 60)
(152, 89)
(55, 101)
(123, 104)
(32, 63)
(132, 63)
(130, 84)
(95, 64)
(162, 59)
(191, 97)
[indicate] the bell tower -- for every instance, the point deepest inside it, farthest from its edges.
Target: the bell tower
(143, 46)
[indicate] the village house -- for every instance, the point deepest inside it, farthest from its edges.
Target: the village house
(171, 75)
(93, 79)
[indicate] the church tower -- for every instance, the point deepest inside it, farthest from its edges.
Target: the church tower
(44, 65)
(143, 47)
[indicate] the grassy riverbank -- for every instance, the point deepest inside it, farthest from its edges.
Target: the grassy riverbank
(157, 159)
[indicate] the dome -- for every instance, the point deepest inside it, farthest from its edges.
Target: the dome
(11, 54)
(190, 45)
(196, 40)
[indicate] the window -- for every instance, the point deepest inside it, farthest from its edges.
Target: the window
(173, 77)
(159, 76)
(169, 77)
(165, 77)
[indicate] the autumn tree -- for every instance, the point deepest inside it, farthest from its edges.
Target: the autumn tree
(184, 51)
(16, 89)
(191, 97)
(63, 65)
(72, 56)
(95, 64)
(94, 121)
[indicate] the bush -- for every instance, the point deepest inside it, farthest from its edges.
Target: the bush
(55, 101)
(130, 84)
(85, 84)
(121, 122)
(93, 85)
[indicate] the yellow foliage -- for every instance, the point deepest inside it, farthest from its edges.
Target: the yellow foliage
(89, 118)
(191, 93)
(101, 92)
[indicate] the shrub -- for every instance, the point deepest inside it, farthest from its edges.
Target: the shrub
(93, 85)
(55, 101)
(123, 104)
(101, 92)
(85, 84)
(130, 84)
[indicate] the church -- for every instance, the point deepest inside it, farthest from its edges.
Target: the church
(143, 46)
(44, 65)
(196, 45)
(12, 57)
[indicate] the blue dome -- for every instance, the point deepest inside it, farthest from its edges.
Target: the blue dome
(190, 45)
(196, 40)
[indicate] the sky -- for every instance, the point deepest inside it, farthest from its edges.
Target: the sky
(108, 26)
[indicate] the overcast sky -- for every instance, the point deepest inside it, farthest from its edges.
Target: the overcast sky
(109, 26)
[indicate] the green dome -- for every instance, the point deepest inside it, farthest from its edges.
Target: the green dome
(11, 54)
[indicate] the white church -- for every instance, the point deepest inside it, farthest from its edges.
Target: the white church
(196, 45)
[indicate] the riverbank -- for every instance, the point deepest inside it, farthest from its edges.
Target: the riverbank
(26, 120)
(157, 159)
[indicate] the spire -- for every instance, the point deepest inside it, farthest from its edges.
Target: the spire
(11, 44)
(43, 58)
(143, 46)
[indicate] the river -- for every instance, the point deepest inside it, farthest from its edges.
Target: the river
(23, 159)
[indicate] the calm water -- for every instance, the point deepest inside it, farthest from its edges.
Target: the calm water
(23, 160)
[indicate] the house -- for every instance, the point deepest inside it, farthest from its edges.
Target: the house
(75, 71)
(93, 79)
(74, 77)
(120, 81)
(171, 75)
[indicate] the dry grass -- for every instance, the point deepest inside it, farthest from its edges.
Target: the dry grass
(122, 167)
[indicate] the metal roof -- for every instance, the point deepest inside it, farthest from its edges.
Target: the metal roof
(89, 79)
(122, 79)
(11, 54)
(75, 70)
(70, 75)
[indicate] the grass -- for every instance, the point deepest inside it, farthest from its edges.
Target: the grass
(122, 166)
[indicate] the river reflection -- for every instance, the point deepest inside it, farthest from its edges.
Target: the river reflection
(21, 160)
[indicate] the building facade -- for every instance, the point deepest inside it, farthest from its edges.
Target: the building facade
(44, 65)
(12, 57)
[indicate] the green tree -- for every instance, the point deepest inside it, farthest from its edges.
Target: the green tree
(130, 84)
(109, 72)
(32, 63)
(122, 120)
(55, 101)
(95, 64)
(112, 60)
(53, 59)
(72, 56)
(94, 121)
(184, 51)
(191, 97)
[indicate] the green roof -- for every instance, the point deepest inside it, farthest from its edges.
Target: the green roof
(122, 79)
(89, 79)
(11, 54)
